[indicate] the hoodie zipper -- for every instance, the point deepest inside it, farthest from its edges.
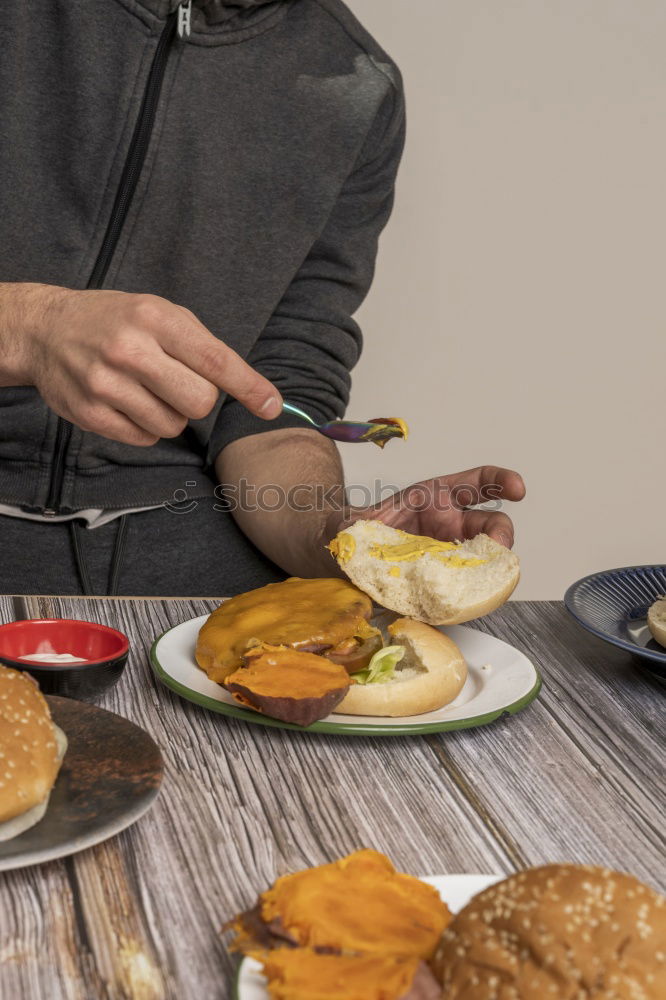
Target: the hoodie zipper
(178, 21)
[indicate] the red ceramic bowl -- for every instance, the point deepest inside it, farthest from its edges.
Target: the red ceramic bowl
(101, 650)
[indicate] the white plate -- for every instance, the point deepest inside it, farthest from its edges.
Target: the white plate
(455, 890)
(501, 680)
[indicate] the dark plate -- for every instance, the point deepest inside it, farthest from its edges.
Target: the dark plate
(614, 604)
(110, 776)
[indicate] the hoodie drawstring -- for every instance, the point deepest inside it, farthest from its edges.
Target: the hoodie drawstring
(76, 530)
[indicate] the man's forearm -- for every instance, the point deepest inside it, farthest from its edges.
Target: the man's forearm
(286, 491)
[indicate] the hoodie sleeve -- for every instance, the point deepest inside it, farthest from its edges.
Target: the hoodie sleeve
(311, 343)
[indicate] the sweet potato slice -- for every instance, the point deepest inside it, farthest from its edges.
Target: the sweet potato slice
(304, 974)
(289, 685)
(358, 905)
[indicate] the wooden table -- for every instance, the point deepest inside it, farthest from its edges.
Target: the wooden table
(575, 776)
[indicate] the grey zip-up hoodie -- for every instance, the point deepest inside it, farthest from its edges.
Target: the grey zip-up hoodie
(244, 171)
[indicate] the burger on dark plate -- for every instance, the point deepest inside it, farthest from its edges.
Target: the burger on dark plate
(31, 751)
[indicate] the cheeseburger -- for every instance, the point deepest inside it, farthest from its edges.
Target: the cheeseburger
(563, 931)
(302, 649)
(31, 750)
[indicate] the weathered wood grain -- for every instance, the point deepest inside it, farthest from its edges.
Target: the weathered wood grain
(577, 775)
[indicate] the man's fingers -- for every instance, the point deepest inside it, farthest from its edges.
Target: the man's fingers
(181, 388)
(189, 342)
(100, 418)
(227, 370)
(481, 484)
(150, 413)
(493, 523)
(122, 393)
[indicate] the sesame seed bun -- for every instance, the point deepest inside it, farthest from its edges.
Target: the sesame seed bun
(31, 749)
(562, 931)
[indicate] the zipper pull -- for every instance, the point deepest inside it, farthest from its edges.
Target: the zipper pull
(184, 19)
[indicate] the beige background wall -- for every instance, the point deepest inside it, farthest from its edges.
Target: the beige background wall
(518, 313)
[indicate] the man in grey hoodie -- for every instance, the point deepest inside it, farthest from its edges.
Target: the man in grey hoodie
(192, 197)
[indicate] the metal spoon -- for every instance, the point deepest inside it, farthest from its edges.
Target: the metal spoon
(378, 430)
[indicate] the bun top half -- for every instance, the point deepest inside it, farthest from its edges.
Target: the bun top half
(29, 759)
(564, 931)
(441, 583)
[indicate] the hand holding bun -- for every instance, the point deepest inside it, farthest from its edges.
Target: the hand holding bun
(561, 931)
(441, 583)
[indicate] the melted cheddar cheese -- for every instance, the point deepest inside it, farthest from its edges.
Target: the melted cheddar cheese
(296, 613)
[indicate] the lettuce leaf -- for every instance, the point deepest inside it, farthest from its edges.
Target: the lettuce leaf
(381, 667)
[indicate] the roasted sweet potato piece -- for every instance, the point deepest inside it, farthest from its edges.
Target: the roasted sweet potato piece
(304, 974)
(289, 685)
(358, 905)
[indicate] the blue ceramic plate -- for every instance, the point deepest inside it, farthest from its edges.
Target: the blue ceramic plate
(613, 605)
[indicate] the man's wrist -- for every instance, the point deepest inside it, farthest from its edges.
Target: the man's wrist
(26, 311)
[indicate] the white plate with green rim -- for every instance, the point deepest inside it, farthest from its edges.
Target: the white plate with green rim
(501, 680)
(455, 890)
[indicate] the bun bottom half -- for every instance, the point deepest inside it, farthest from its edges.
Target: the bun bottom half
(430, 675)
(19, 824)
